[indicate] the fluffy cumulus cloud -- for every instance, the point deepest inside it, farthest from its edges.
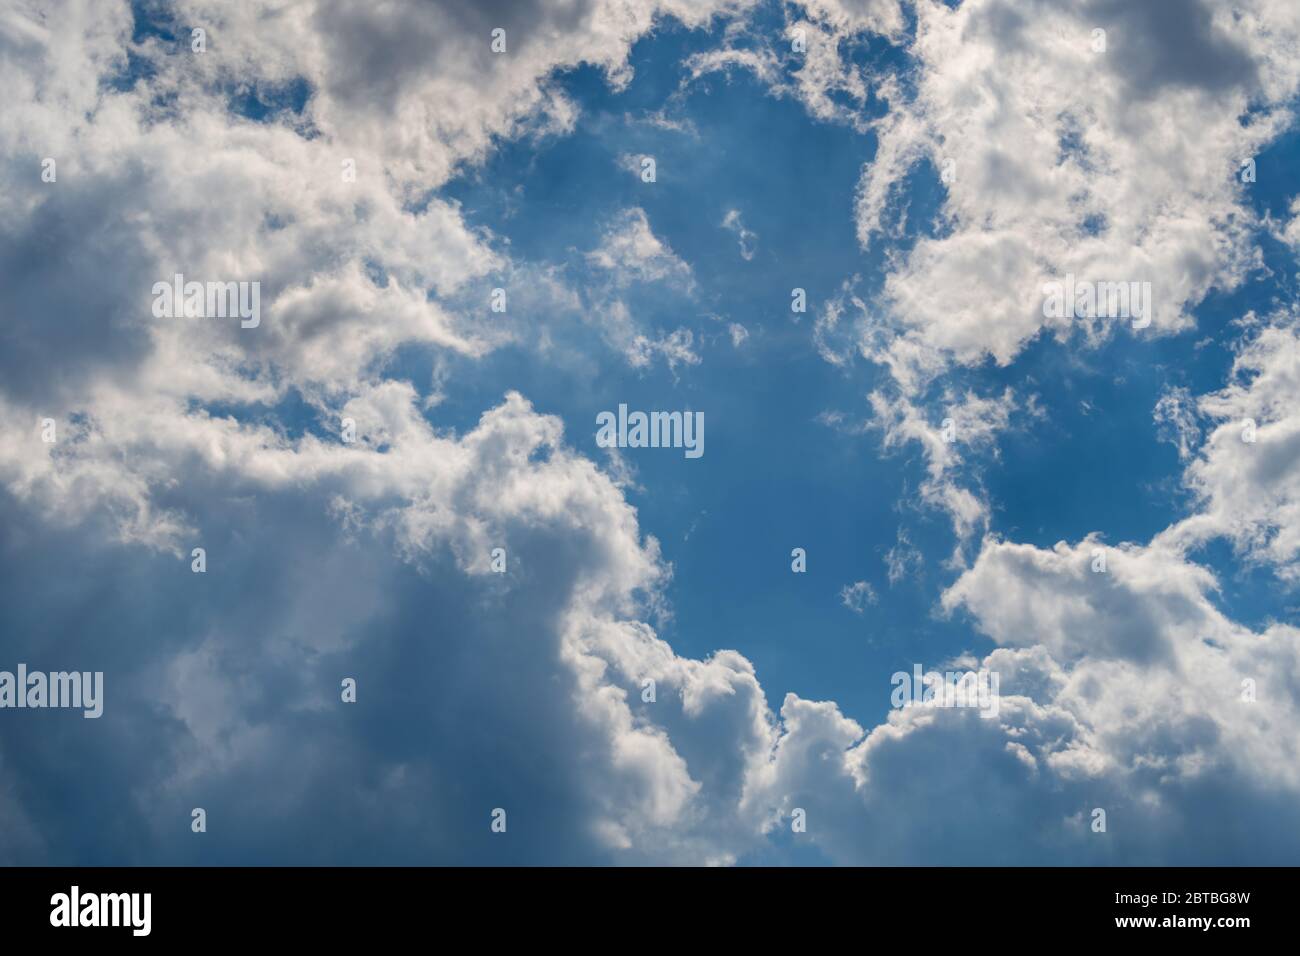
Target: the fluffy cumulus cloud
(548, 691)
(1123, 691)
(1245, 474)
(1099, 140)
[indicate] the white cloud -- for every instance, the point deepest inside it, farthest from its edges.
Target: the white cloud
(633, 253)
(1049, 176)
(746, 239)
(902, 559)
(382, 75)
(1175, 416)
(1249, 492)
(966, 421)
(630, 253)
(1289, 232)
(857, 596)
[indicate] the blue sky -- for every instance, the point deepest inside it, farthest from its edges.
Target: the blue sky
(777, 168)
(773, 478)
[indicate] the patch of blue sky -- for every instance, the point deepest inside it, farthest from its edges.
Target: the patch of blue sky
(292, 416)
(772, 477)
(263, 102)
